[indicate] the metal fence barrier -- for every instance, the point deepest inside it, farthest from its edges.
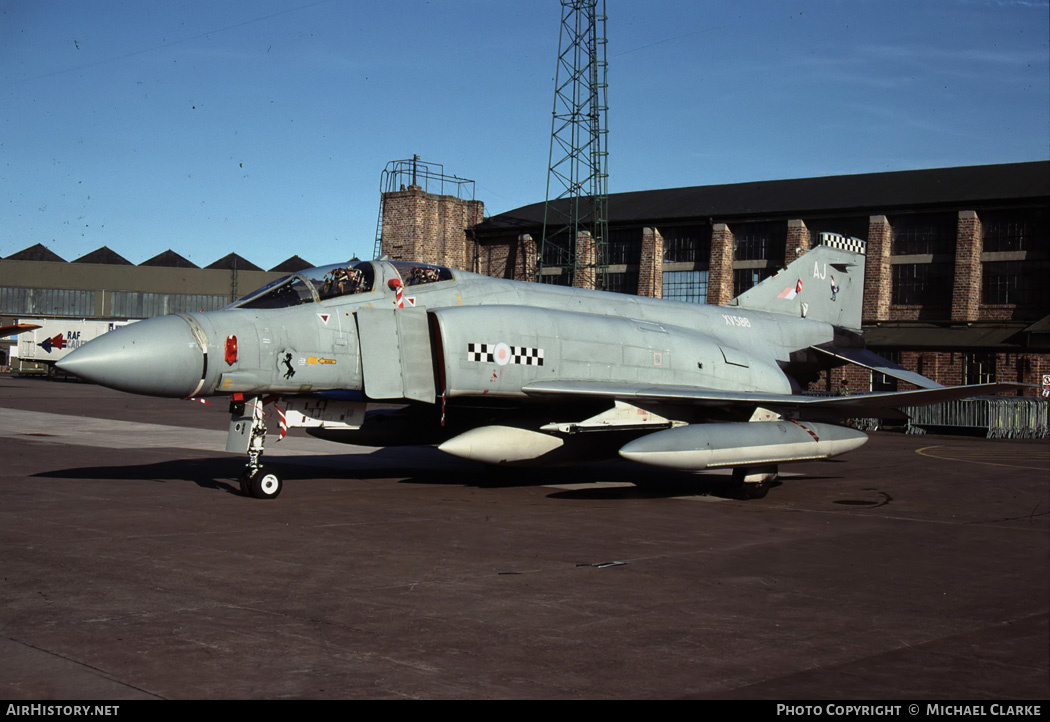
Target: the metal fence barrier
(1001, 417)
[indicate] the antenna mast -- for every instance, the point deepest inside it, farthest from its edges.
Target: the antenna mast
(575, 217)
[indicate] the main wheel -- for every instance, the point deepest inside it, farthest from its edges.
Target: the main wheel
(753, 483)
(265, 483)
(751, 489)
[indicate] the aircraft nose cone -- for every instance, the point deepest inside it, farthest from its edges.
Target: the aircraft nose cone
(159, 357)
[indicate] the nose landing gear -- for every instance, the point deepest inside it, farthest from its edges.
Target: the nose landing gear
(247, 435)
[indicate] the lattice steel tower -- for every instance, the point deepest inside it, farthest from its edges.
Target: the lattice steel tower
(577, 176)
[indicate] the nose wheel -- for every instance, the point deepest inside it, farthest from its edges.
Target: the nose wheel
(261, 483)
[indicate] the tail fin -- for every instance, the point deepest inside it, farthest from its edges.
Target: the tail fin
(825, 284)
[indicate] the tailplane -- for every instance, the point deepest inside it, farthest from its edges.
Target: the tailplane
(824, 284)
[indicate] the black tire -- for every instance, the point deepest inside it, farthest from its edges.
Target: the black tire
(752, 489)
(265, 483)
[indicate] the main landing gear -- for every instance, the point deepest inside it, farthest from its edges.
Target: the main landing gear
(247, 435)
(753, 482)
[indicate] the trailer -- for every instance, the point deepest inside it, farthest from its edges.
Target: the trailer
(36, 351)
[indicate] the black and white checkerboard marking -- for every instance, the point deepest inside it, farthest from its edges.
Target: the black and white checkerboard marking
(834, 240)
(493, 353)
(526, 356)
(481, 352)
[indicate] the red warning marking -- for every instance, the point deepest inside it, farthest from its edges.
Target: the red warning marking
(808, 430)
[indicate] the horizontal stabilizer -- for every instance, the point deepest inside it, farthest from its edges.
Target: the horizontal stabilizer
(874, 362)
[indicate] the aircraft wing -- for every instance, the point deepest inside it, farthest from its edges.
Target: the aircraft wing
(874, 362)
(848, 406)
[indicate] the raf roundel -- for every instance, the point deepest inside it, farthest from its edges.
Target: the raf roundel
(502, 354)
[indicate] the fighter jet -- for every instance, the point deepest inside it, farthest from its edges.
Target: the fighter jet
(513, 373)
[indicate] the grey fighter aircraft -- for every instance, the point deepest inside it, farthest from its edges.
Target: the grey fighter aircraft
(506, 372)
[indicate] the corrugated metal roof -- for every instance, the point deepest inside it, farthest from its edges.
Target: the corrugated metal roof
(232, 261)
(37, 252)
(169, 259)
(105, 256)
(875, 192)
(292, 265)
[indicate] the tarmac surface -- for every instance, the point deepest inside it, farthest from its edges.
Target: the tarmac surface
(132, 568)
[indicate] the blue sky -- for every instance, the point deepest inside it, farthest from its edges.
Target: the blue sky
(261, 127)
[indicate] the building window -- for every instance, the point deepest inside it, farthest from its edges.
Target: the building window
(141, 304)
(687, 244)
(744, 279)
(1015, 282)
(882, 382)
(47, 302)
(625, 246)
(759, 241)
(979, 367)
(922, 284)
(554, 251)
(688, 286)
(622, 282)
(924, 234)
(1006, 231)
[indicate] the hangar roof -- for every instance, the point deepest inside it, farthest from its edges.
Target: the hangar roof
(37, 252)
(169, 259)
(292, 265)
(867, 192)
(232, 261)
(104, 255)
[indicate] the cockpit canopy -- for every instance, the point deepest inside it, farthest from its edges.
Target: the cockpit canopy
(414, 274)
(339, 279)
(312, 284)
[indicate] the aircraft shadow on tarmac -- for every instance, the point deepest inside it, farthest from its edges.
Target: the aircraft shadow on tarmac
(425, 465)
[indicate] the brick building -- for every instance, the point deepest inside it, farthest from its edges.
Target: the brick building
(421, 226)
(958, 259)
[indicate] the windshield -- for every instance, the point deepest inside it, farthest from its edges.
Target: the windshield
(287, 291)
(313, 284)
